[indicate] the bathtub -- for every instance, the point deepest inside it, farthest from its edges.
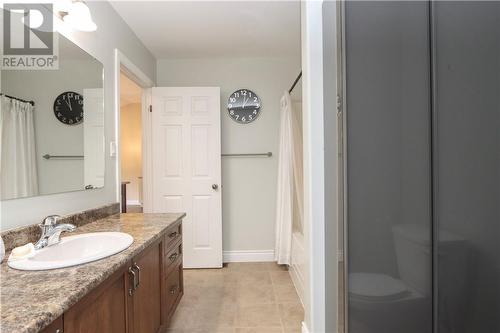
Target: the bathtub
(298, 269)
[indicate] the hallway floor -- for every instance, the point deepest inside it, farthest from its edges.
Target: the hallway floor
(239, 298)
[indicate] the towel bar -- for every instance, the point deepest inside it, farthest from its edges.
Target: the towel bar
(268, 154)
(48, 156)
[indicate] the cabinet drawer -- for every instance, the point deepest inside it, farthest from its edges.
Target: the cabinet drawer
(55, 327)
(173, 235)
(174, 287)
(172, 257)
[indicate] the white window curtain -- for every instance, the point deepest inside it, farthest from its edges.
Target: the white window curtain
(18, 172)
(290, 183)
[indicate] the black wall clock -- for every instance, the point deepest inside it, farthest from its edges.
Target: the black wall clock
(244, 106)
(68, 108)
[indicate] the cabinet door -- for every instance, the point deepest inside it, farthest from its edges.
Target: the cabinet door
(103, 310)
(173, 235)
(147, 295)
(174, 288)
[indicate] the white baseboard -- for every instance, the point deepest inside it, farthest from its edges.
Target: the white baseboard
(248, 256)
(297, 282)
(133, 203)
(304, 327)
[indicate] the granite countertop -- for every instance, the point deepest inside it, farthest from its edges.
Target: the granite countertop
(31, 300)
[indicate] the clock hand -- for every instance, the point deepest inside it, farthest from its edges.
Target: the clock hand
(67, 102)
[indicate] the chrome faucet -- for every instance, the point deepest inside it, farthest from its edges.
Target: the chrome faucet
(51, 231)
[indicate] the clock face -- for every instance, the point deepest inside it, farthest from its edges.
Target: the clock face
(68, 108)
(244, 106)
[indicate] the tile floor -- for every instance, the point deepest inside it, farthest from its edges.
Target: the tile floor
(239, 298)
(134, 209)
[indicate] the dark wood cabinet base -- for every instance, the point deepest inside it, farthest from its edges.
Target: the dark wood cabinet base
(140, 297)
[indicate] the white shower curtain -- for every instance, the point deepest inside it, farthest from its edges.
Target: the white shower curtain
(290, 184)
(18, 174)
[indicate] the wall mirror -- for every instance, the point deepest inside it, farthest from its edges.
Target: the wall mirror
(52, 127)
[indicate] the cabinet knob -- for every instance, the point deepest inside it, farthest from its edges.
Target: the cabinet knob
(173, 256)
(215, 187)
(172, 234)
(173, 290)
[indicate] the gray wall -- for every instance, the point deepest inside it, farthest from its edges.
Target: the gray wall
(248, 184)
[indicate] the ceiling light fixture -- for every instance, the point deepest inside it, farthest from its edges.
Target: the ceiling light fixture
(35, 19)
(79, 17)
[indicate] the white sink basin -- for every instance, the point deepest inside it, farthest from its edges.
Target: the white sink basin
(75, 250)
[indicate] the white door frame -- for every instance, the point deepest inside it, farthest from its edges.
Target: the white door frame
(314, 161)
(122, 64)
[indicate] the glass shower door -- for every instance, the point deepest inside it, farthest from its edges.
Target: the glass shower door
(389, 268)
(467, 149)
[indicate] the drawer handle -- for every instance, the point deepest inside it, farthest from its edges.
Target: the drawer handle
(172, 234)
(173, 290)
(134, 277)
(136, 267)
(173, 256)
(59, 331)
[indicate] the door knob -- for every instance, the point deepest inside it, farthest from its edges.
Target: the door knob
(215, 187)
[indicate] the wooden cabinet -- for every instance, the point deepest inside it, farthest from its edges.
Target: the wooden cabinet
(55, 327)
(173, 236)
(174, 289)
(172, 276)
(139, 298)
(146, 297)
(103, 310)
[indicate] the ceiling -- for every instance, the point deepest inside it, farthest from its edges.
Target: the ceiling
(190, 29)
(130, 92)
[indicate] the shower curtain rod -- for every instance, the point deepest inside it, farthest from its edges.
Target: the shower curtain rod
(295, 82)
(18, 99)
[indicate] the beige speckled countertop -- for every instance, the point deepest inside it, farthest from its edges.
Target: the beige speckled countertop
(30, 300)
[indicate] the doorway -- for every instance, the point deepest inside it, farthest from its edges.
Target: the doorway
(131, 185)
(132, 89)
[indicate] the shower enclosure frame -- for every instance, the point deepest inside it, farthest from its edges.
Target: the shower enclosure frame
(434, 237)
(343, 190)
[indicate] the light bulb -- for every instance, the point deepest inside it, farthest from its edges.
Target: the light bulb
(36, 19)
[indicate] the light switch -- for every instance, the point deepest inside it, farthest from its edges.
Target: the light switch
(112, 148)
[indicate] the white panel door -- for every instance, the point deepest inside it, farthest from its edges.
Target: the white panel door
(93, 138)
(187, 168)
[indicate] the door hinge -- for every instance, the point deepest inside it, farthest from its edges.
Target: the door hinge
(150, 108)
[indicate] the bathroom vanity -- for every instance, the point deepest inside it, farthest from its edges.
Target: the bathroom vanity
(136, 290)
